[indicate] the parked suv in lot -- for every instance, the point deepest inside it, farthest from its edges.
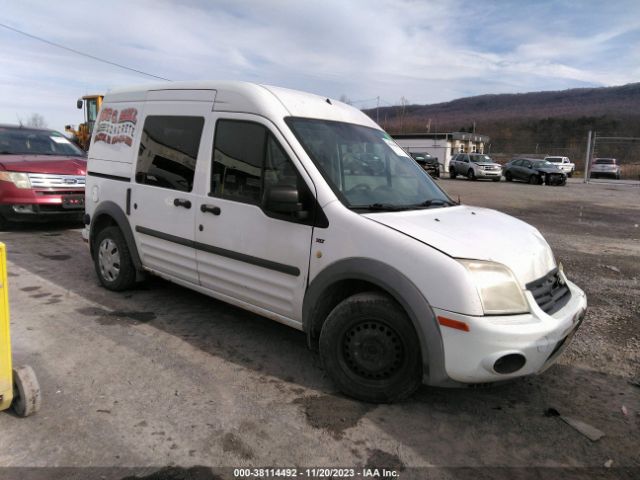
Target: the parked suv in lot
(605, 167)
(301, 209)
(42, 175)
(474, 166)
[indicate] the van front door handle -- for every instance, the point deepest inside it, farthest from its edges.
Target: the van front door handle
(204, 208)
(182, 202)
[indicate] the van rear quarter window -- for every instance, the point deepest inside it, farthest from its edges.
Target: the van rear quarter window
(168, 151)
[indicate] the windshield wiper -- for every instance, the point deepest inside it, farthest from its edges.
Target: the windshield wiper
(435, 202)
(382, 207)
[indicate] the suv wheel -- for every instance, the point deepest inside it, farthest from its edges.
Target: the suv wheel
(508, 177)
(452, 173)
(370, 349)
(471, 174)
(112, 260)
(534, 180)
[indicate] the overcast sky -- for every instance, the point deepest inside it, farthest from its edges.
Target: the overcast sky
(426, 51)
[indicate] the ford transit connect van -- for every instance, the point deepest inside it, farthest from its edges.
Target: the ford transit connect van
(301, 209)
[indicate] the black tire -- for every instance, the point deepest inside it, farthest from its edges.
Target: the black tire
(452, 173)
(4, 224)
(110, 241)
(570, 174)
(534, 180)
(471, 175)
(26, 392)
(370, 349)
(497, 179)
(508, 177)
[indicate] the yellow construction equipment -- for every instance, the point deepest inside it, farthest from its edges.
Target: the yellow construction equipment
(19, 387)
(91, 105)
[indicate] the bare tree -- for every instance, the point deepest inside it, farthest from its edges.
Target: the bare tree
(35, 120)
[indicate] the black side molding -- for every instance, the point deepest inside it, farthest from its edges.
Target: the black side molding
(260, 262)
(110, 177)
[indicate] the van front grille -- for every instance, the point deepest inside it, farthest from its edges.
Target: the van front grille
(550, 292)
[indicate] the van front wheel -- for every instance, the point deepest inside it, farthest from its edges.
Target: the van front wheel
(112, 260)
(370, 349)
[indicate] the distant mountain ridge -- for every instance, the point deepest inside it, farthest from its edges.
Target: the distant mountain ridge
(618, 101)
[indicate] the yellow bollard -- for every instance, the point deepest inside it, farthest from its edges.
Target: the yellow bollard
(6, 377)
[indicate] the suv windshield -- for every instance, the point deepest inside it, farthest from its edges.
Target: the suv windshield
(481, 159)
(25, 141)
(365, 168)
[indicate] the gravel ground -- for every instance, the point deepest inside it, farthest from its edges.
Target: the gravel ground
(162, 376)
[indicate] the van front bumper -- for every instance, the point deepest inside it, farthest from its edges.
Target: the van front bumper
(515, 345)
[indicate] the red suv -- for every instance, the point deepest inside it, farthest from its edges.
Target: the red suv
(42, 175)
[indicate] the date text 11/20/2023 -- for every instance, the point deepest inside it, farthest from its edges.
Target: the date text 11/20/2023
(314, 473)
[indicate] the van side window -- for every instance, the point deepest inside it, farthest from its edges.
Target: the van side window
(238, 156)
(248, 161)
(168, 151)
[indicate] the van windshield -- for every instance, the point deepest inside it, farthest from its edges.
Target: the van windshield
(365, 168)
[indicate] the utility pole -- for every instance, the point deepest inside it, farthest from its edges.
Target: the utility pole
(587, 157)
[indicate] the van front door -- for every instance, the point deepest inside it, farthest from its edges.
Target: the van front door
(163, 203)
(248, 254)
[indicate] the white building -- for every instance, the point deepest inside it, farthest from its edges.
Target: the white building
(442, 145)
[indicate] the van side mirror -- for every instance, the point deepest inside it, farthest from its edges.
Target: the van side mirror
(79, 103)
(285, 199)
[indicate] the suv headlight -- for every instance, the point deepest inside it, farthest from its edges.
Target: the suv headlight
(498, 289)
(19, 179)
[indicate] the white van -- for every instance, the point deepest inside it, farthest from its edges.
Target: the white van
(301, 209)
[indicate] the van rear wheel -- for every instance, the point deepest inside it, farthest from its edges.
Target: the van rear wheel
(112, 260)
(370, 349)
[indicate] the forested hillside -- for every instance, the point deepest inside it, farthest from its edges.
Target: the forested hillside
(538, 122)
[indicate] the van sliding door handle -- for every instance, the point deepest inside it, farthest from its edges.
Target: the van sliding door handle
(182, 202)
(204, 208)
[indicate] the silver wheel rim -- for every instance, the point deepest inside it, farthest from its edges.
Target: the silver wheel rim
(109, 260)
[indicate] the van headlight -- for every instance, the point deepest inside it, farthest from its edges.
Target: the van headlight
(19, 179)
(499, 291)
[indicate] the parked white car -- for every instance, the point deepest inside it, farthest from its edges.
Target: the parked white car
(563, 163)
(605, 167)
(474, 166)
(301, 209)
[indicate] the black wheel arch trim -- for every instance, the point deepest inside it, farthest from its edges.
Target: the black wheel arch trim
(113, 210)
(401, 289)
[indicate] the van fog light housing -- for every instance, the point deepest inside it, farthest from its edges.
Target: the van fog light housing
(497, 287)
(510, 363)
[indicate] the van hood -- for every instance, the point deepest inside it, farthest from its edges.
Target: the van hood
(478, 234)
(56, 164)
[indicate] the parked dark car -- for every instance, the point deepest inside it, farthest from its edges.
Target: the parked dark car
(534, 171)
(42, 176)
(428, 162)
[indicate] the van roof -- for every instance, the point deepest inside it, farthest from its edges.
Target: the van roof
(246, 97)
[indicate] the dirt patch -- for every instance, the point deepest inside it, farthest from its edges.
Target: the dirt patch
(333, 414)
(117, 317)
(380, 459)
(234, 444)
(55, 257)
(179, 473)
(30, 289)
